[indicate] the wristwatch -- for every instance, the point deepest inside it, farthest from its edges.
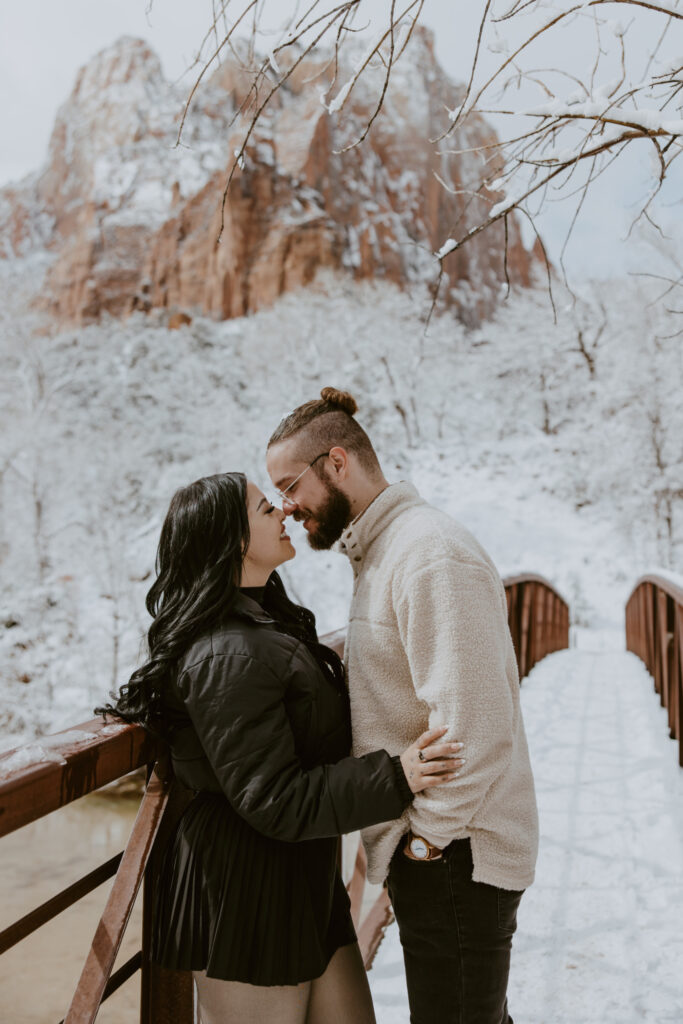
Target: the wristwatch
(418, 848)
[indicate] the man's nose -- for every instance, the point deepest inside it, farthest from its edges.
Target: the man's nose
(289, 505)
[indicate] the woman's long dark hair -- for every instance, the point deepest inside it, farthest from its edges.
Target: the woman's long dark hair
(203, 542)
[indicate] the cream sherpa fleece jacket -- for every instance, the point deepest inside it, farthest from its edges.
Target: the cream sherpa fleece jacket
(428, 644)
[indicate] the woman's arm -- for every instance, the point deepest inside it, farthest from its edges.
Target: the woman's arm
(236, 705)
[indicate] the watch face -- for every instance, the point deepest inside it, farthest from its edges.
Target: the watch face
(419, 848)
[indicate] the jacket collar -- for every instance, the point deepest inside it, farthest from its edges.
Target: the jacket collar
(359, 536)
(250, 609)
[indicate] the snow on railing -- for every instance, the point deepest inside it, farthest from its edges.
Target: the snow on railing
(654, 631)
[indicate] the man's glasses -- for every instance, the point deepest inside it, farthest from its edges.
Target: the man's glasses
(283, 494)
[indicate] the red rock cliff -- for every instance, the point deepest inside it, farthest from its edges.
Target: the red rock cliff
(134, 222)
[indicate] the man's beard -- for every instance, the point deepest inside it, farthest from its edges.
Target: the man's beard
(330, 519)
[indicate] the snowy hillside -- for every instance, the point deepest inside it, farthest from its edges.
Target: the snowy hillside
(564, 463)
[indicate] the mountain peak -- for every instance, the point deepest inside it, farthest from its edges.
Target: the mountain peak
(113, 96)
(128, 61)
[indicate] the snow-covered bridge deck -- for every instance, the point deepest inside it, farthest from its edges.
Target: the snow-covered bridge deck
(600, 936)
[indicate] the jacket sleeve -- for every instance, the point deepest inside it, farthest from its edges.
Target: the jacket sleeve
(452, 620)
(236, 705)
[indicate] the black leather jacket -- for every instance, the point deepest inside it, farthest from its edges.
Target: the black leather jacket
(254, 716)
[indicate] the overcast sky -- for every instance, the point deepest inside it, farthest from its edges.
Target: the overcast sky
(44, 42)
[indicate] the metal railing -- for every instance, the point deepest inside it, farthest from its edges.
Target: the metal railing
(93, 754)
(654, 631)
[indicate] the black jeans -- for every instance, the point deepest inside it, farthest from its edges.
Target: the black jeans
(456, 936)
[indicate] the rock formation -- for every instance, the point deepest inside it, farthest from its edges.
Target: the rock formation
(134, 222)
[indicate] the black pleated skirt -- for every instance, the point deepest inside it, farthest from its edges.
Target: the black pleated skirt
(243, 907)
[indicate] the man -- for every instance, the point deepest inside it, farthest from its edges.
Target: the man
(428, 644)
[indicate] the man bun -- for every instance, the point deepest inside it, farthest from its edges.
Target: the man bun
(340, 400)
(322, 424)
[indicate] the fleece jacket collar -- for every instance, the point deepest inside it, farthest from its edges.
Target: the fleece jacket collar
(359, 536)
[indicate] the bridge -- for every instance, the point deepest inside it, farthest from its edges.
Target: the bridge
(599, 936)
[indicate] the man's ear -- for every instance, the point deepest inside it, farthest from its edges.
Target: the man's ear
(339, 462)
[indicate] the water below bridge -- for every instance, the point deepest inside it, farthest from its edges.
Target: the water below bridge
(599, 937)
(39, 975)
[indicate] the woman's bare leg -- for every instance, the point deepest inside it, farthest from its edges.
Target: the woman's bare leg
(234, 1002)
(342, 994)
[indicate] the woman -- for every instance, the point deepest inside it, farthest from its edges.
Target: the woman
(256, 714)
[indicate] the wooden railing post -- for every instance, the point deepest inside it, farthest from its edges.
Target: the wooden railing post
(654, 628)
(109, 933)
(525, 630)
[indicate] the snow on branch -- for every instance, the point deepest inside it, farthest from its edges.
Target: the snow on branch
(592, 77)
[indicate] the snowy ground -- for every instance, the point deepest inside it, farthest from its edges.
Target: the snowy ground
(599, 936)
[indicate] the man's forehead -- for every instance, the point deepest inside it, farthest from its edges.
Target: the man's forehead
(282, 461)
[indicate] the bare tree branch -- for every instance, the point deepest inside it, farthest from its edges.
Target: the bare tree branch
(609, 109)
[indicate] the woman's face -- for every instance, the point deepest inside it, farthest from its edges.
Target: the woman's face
(269, 545)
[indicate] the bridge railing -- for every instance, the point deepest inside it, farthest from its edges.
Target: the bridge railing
(538, 619)
(45, 776)
(34, 783)
(654, 631)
